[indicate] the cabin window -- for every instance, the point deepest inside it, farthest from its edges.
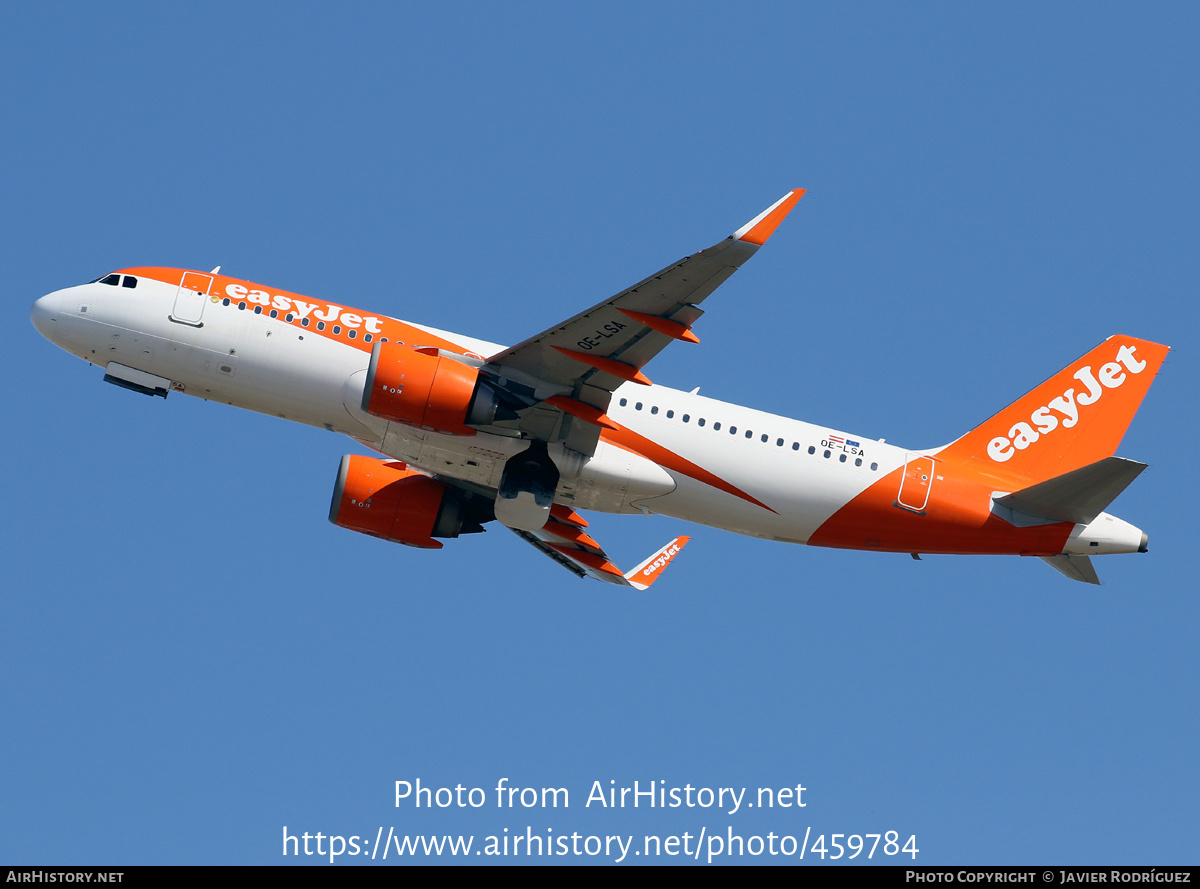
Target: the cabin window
(638, 406)
(304, 322)
(811, 449)
(700, 422)
(258, 310)
(337, 328)
(654, 410)
(274, 313)
(225, 301)
(624, 401)
(670, 414)
(367, 337)
(320, 325)
(733, 430)
(289, 317)
(352, 333)
(717, 426)
(687, 418)
(858, 461)
(874, 466)
(842, 458)
(241, 307)
(828, 454)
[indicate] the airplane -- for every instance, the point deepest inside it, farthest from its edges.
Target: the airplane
(530, 435)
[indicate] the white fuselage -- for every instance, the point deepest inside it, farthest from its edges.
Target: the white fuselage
(796, 475)
(675, 453)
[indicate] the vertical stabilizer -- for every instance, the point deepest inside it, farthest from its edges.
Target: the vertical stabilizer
(1075, 418)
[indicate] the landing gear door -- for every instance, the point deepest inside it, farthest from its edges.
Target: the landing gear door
(916, 483)
(190, 299)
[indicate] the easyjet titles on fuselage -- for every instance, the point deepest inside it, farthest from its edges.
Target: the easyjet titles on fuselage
(332, 313)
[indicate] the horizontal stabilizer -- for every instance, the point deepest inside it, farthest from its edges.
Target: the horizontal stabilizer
(1075, 567)
(1077, 496)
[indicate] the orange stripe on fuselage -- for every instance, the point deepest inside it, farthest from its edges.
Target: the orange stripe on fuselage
(628, 440)
(301, 307)
(957, 519)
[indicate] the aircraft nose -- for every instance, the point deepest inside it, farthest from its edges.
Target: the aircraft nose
(43, 314)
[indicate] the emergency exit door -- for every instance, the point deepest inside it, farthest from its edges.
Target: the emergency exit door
(916, 483)
(190, 298)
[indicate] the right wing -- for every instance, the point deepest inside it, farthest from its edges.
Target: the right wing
(565, 376)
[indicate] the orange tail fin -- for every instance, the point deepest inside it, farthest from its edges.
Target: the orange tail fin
(1075, 418)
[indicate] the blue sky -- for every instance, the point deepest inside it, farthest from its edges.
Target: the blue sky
(192, 657)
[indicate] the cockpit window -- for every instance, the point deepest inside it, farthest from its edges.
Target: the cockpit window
(129, 281)
(114, 280)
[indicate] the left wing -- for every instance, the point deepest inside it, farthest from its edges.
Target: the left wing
(565, 376)
(564, 539)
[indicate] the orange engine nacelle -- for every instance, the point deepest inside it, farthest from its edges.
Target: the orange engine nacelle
(422, 388)
(384, 498)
